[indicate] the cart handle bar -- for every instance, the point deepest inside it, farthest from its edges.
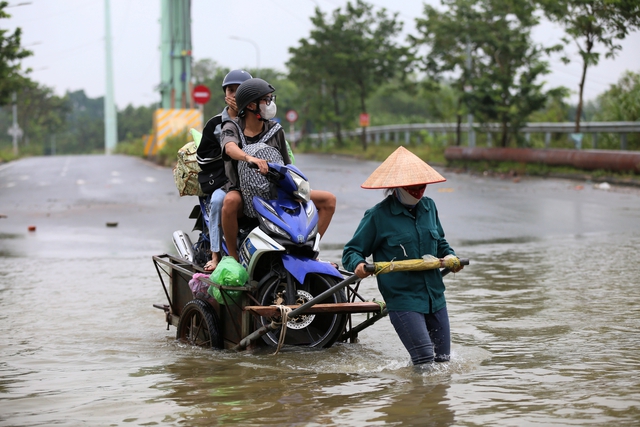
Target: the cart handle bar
(370, 268)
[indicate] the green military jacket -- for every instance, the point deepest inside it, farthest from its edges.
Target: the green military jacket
(389, 231)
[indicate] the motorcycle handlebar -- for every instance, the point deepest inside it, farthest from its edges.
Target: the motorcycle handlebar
(272, 175)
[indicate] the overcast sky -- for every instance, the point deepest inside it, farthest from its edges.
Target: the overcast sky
(67, 38)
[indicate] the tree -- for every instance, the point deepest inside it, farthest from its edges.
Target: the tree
(486, 45)
(448, 55)
(348, 56)
(134, 122)
(621, 102)
(594, 22)
(12, 77)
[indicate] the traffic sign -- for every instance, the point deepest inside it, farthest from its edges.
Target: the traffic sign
(201, 94)
(364, 119)
(291, 116)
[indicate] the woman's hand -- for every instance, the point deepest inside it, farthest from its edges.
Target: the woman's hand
(360, 271)
(455, 261)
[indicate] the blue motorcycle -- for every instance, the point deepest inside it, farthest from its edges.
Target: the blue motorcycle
(279, 250)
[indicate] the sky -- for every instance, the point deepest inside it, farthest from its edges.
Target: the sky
(68, 41)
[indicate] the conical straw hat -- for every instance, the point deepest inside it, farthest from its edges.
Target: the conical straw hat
(401, 169)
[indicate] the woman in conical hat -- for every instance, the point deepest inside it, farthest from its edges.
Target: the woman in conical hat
(405, 225)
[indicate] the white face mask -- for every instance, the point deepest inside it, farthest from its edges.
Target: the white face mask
(268, 112)
(405, 198)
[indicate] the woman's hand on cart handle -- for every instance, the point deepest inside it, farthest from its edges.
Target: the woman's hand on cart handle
(453, 263)
(363, 270)
(463, 262)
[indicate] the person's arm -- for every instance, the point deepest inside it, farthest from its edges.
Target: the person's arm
(232, 150)
(361, 245)
(236, 153)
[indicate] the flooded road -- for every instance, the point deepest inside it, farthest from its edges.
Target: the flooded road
(545, 321)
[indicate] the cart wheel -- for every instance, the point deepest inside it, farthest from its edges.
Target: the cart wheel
(311, 330)
(199, 325)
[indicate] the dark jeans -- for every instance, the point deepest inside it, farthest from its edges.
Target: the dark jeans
(425, 336)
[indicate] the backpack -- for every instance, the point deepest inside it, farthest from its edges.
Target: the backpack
(252, 183)
(209, 156)
(185, 173)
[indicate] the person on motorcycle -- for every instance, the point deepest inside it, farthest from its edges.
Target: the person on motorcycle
(211, 163)
(256, 107)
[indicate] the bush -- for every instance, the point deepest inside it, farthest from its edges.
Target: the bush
(167, 155)
(131, 147)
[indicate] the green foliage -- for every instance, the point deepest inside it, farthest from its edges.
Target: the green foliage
(131, 147)
(411, 102)
(41, 115)
(620, 103)
(346, 58)
(12, 77)
(592, 23)
(167, 155)
(487, 45)
(133, 122)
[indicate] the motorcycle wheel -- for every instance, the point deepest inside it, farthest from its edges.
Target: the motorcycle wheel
(199, 325)
(310, 330)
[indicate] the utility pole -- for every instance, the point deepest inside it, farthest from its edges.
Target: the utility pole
(472, 133)
(110, 116)
(15, 130)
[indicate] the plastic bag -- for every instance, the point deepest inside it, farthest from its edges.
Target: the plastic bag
(228, 273)
(199, 288)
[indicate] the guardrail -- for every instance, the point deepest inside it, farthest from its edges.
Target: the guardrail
(374, 133)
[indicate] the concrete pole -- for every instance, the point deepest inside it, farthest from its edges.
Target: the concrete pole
(472, 133)
(15, 131)
(110, 116)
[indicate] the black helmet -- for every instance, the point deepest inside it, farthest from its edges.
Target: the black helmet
(235, 77)
(251, 90)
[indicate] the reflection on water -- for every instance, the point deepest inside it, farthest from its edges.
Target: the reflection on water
(544, 332)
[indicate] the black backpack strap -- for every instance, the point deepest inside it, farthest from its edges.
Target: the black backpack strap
(209, 149)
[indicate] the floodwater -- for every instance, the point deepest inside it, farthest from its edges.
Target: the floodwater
(545, 321)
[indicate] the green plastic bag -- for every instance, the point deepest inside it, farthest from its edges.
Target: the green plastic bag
(228, 273)
(196, 135)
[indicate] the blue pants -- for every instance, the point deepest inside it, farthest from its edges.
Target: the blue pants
(215, 209)
(427, 337)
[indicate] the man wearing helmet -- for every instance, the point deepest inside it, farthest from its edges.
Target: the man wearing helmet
(256, 107)
(209, 156)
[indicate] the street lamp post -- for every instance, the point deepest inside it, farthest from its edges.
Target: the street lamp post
(254, 45)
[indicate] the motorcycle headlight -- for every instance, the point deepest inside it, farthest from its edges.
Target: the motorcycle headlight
(304, 190)
(313, 233)
(274, 228)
